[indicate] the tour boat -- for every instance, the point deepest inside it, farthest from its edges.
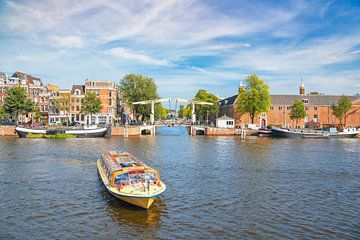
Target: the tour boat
(129, 179)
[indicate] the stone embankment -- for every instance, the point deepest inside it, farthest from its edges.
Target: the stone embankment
(8, 131)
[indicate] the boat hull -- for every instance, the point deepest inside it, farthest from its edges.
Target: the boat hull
(298, 133)
(80, 133)
(23, 132)
(85, 133)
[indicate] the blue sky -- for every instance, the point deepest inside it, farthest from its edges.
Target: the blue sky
(186, 45)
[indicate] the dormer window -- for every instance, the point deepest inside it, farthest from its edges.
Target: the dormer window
(305, 101)
(77, 92)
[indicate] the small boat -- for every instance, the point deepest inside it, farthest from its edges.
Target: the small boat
(129, 179)
(264, 132)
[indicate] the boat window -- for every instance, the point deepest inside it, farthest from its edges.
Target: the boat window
(121, 178)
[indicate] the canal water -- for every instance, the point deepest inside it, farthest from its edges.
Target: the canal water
(218, 187)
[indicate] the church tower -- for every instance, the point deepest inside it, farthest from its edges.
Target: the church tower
(241, 88)
(302, 88)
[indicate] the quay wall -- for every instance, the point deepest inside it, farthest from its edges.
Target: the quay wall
(125, 131)
(8, 131)
(211, 131)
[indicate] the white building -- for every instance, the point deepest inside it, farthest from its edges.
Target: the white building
(225, 122)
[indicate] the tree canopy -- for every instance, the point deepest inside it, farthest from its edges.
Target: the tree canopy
(339, 110)
(136, 88)
(160, 111)
(91, 104)
(255, 98)
(17, 102)
(204, 111)
(181, 111)
(297, 111)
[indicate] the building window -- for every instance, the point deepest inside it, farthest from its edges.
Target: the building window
(280, 108)
(305, 101)
(109, 93)
(288, 108)
(109, 102)
(315, 118)
(97, 91)
(306, 108)
(77, 92)
(271, 108)
(315, 108)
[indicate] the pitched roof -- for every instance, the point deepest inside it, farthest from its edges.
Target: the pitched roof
(52, 87)
(288, 100)
(313, 100)
(28, 77)
(228, 101)
(225, 118)
(79, 87)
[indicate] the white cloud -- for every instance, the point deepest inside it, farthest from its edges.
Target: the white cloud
(68, 41)
(124, 53)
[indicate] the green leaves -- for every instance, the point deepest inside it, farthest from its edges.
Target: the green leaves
(297, 110)
(339, 110)
(136, 88)
(255, 98)
(204, 111)
(91, 104)
(17, 102)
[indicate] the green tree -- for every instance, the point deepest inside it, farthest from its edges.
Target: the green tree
(160, 111)
(297, 111)
(206, 111)
(187, 111)
(17, 103)
(3, 115)
(135, 88)
(339, 110)
(91, 104)
(181, 111)
(37, 114)
(255, 98)
(63, 103)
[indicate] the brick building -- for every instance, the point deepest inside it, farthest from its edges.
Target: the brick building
(317, 108)
(107, 93)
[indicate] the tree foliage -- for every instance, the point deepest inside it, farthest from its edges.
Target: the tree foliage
(204, 111)
(255, 98)
(91, 104)
(297, 111)
(135, 88)
(17, 102)
(181, 111)
(339, 110)
(160, 111)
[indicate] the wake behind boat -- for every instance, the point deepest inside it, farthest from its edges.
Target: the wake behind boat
(129, 179)
(86, 131)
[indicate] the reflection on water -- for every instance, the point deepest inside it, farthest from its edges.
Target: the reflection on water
(217, 187)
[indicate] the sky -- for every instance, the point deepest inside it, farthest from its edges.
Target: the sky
(186, 45)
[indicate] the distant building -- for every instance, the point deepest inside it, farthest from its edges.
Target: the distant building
(108, 94)
(317, 108)
(77, 95)
(225, 122)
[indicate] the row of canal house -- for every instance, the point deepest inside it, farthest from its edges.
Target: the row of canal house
(318, 109)
(45, 97)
